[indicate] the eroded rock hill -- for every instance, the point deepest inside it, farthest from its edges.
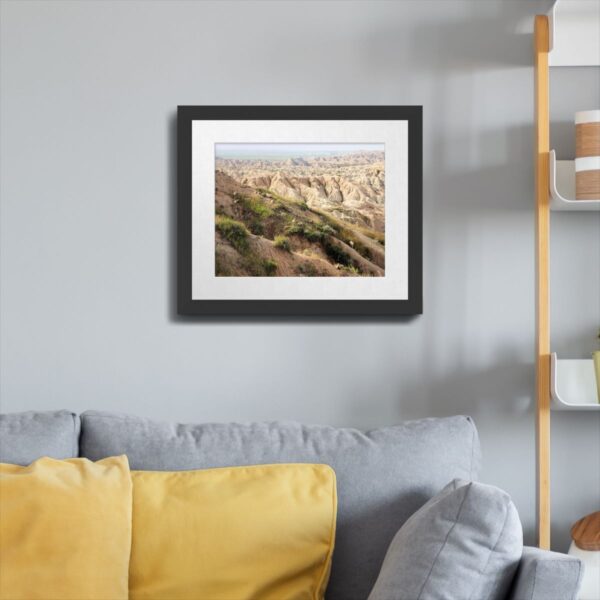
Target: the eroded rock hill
(260, 232)
(350, 187)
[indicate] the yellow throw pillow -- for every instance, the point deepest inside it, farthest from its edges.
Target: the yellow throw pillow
(240, 533)
(65, 529)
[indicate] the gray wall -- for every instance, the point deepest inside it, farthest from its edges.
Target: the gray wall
(89, 91)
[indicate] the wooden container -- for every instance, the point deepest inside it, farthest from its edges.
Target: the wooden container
(586, 532)
(587, 155)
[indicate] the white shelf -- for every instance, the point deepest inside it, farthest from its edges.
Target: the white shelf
(574, 33)
(573, 384)
(562, 187)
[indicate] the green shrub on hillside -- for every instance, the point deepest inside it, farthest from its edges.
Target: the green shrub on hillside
(294, 228)
(257, 228)
(313, 234)
(336, 253)
(352, 269)
(282, 242)
(257, 206)
(327, 229)
(253, 204)
(234, 232)
(270, 266)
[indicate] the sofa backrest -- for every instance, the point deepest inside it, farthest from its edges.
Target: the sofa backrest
(383, 476)
(27, 436)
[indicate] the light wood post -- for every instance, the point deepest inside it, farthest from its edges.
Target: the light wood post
(542, 149)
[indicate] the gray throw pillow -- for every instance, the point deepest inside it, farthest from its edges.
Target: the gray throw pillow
(27, 436)
(464, 544)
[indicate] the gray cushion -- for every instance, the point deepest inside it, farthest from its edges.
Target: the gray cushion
(464, 544)
(27, 436)
(383, 476)
(545, 575)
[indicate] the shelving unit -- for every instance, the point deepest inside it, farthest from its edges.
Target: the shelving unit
(568, 36)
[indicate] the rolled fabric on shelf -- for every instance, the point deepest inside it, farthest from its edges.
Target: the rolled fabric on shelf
(587, 155)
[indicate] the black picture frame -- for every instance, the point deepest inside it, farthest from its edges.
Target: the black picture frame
(186, 305)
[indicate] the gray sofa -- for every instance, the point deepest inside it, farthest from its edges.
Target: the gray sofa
(383, 476)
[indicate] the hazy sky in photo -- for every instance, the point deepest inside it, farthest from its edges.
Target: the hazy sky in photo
(275, 151)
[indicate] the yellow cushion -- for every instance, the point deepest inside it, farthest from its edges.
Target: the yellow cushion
(65, 529)
(240, 533)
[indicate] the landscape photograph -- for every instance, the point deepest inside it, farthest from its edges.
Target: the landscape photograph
(299, 210)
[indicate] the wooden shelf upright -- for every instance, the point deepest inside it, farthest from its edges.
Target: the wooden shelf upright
(542, 212)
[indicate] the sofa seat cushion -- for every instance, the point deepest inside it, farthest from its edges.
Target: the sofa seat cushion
(546, 575)
(27, 436)
(65, 530)
(383, 476)
(233, 533)
(464, 544)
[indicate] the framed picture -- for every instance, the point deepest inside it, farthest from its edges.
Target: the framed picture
(299, 210)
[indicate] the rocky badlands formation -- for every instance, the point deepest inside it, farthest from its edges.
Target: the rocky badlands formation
(321, 216)
(350, 187)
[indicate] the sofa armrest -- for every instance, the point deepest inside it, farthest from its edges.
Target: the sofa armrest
(544, 575)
